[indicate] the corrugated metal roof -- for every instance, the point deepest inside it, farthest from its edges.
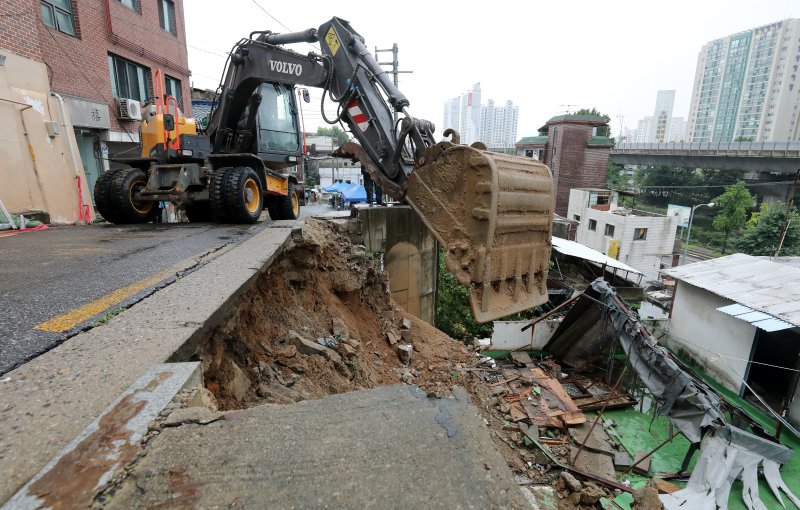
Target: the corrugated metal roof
(757, 283)
(574, 249)
(761, 320)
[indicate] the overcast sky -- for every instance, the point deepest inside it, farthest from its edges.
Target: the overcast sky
(612, 55)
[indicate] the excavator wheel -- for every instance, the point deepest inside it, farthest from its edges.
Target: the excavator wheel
(216, 192)
(284, 208)
(119, 204)
(243, 197)
(493, 214)
(102, 190)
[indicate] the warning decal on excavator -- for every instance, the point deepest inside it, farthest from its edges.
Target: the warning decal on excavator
(357, 115)
(333, 41)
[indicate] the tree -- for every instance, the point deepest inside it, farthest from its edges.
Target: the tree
(763, 238)
(616, 176)
(733, 205)
(453, 313)
(593, 111)
(680, 185)
(335, 131)
(601, 130)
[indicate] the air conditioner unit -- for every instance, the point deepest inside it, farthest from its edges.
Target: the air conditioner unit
(128, 109)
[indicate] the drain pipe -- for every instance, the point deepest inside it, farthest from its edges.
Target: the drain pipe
(83, 207)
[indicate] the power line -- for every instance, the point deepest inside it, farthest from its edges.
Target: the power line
(279, 23)
(91, 83)
(207, 51)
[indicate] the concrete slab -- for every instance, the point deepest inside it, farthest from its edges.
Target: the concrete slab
(49, 400)
(389, 447)
(83, 469)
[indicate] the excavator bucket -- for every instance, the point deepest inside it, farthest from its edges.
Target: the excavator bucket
(493, 214)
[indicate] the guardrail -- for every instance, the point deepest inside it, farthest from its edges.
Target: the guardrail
(731, 149)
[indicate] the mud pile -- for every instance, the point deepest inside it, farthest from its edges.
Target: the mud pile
(321, 321)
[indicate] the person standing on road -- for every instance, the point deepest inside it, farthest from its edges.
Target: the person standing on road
(371, 188)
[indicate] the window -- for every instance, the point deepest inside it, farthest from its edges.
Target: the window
(172, 87)
(609, 230)
(130, 4)
(576, 217)
(129, 79)
(58, 14)
(166, 15)
(593, 225)
(639, 234)
(276, 122)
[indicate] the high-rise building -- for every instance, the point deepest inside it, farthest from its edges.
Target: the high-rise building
(494, 125)
(677, 130)
(746, 87)
(452, 114)
(643, 130)
(662, 117)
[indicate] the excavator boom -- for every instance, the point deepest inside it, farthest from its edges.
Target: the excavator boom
(492, 212)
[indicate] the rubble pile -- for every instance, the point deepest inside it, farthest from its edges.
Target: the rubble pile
(535, 412)
(321, 321)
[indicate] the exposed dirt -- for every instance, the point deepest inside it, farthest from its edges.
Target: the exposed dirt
(324, 289)
(321, 321)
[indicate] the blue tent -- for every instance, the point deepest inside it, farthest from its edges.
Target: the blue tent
(338, 187)
(354, 193)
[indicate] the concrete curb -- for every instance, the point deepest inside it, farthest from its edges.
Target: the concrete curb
(51, 399)
(76, 475)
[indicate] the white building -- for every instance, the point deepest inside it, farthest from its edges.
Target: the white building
(494, 125)
(738, 319)
(452, 114)
(677, 130)
(662, 117)
(746, 86)
(643, 240)
(643, 130)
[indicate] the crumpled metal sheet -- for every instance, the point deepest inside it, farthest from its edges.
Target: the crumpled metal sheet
(690, 405)
(721, 462)
(598, 320)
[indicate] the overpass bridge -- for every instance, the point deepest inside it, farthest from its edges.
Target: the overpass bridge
(778, 157)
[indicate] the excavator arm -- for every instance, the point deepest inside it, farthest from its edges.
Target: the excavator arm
(492, 212)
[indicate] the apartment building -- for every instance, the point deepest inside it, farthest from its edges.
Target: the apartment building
(746, 86)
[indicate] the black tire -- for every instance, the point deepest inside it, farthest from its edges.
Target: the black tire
(119, 202)
(284, 208)
(216, 194)
(102, 190)
(199, 212)
(243, 195)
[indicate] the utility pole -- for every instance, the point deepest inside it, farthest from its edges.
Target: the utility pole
(567, 106)
(395, 68)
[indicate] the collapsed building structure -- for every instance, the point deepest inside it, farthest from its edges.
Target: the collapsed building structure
(598, 324)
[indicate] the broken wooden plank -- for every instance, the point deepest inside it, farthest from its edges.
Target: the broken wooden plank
(517, 413)
(574, 418)
(641, 463)
(556, 397)
(521, 357)
(665, 486)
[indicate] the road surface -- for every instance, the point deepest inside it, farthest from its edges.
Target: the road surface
(57, 282)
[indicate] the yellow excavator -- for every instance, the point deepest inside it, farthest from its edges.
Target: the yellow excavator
(492, 212)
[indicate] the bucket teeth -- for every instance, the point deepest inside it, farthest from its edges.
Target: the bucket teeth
(493, 214)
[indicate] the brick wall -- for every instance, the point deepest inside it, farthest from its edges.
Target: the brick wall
(19, 30)
(79, 64)
(574, 165)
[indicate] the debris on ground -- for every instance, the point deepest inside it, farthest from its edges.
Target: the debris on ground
(321, 321)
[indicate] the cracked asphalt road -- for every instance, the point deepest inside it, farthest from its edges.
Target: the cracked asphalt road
(71, 277)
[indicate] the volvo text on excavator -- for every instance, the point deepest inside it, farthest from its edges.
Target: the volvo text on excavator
(492, 212)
